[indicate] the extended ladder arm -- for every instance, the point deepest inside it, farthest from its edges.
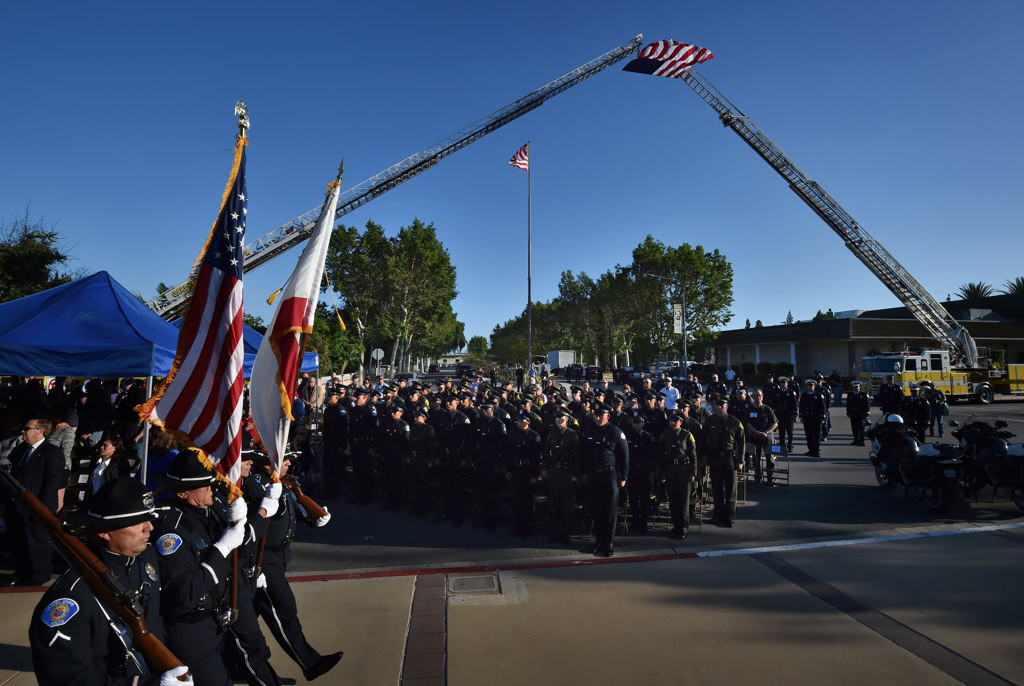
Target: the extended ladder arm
(172, 302)
(932, 315)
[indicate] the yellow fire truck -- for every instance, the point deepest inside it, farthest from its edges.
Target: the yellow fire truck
(914, 366)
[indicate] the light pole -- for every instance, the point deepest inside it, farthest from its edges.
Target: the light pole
(682, 289)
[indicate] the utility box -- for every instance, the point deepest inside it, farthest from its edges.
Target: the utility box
(560, 359)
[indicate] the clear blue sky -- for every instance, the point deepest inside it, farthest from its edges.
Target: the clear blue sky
(118, 124)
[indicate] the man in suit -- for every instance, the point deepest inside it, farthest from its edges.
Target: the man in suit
(38, 465)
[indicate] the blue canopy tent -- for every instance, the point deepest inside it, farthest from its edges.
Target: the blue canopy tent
(92, 327)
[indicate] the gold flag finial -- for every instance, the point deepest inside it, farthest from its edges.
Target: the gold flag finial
(242, 112)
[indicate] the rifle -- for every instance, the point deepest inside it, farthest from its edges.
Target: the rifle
(307, 503)
(108, 589)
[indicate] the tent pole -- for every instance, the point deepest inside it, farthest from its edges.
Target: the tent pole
(143, 469)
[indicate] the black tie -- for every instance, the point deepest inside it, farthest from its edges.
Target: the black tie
(24, 460)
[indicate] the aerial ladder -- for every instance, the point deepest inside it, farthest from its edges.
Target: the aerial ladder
(171, 303)
(933, 316)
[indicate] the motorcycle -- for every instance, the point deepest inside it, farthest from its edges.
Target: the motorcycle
(990, 459)
(933, 469)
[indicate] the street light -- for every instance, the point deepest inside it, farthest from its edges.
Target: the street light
(682, 312)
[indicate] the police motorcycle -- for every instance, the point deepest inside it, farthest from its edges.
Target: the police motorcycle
(990, 459)
(933, 469)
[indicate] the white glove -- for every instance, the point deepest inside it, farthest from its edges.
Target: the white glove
(238, 510)
(171, 677)
(231, 538)
(322, 521)
(261, 581)
(271, 500)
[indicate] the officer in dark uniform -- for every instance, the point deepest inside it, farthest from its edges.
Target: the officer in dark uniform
(759, 423)
(890, 396)
(392, 445)
(858, 408)
(73, 636)
(453, 429)
(772, 391)
(916, 412)
(786, 412)
(655, 418)
(245, 647)
(677, 453)
(194, 546)
(522, 469)
(422, 460)
(739, 403)
(490, 442)
(812, 414)
(606, 464)
(362, 420)
(274, 600)
(335, 443)
(561, 471)
(717, 389)
(642, 470)
(723, 447)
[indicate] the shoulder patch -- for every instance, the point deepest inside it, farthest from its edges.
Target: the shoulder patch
(59, 612)
(168, 543)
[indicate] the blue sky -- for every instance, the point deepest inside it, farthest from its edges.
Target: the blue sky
(118, 127)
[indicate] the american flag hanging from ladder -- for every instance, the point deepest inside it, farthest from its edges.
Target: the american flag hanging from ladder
(522, 158)
(668, 58)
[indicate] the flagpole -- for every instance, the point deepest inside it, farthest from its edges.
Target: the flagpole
(529, 263)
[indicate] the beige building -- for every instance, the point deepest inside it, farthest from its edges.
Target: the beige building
(996, 322)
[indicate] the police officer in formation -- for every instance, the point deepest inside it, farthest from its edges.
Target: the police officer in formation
(916, 412)
(889, 396)
(759, 423)
(74, 637)
(812, 414)
(562, 470)
(723, 446)
(677, 450)
(194, 542)
(606, 460)
(274, 600)
(858, 409)
(335, 433)
(523, 469)
(787, 409)
(642, 470)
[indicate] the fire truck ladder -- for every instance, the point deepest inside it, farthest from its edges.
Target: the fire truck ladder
(933, 316)
(171, 303)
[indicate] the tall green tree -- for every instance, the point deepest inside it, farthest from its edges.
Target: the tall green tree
(31, 258)
(478, 345)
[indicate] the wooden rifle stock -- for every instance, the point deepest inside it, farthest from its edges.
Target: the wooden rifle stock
(108, 589)
(308, 504)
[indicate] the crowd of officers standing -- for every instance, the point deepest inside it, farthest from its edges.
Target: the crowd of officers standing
(465, 449)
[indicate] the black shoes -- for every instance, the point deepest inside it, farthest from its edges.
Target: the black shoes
(678, 534)
(605, 552)
(322, 666)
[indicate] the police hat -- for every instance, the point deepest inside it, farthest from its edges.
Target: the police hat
(783, 378)
(117, 504)
(855, 383)
(334, 393)
(356, 392)
(637, 417)
(395, 407)
(523, 415)
(421, 412)
(675, 415)
(187, 472)
(616, 399)
(488, 405)
(601, 408)
(575, 389)
(810, 382)
(562, 412)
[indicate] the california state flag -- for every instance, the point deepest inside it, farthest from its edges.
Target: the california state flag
(272, 383)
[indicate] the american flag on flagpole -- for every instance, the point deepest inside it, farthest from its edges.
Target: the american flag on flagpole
(272, 383)
(522, 158)
(668, 58)
(201, 398)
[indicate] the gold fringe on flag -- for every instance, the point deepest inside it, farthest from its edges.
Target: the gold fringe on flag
(330, 289)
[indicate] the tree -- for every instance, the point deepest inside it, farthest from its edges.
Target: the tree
(336, 348)
(824, 316)
(970, 291)
(747, 325)
(251, 320)
(758, 324)
(789, 318)
(1014, 286)
(478, 345)
(30, 255)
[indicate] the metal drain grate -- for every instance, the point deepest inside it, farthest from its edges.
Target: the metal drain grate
(486, 583)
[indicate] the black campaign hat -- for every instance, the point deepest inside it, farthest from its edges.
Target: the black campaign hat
(186, 471)
(119, 503)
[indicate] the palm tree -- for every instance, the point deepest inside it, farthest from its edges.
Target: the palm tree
(1014, 287)
(969, 291)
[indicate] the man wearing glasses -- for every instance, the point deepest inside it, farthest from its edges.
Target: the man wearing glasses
(38, 466)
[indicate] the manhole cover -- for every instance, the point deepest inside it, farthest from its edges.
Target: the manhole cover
(487, 583)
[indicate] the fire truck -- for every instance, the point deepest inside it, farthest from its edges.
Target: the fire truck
(910, 367)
